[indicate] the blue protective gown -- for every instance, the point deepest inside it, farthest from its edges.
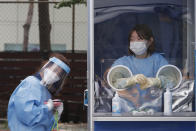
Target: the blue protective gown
(26, 109)
(146, 99)
(147, 66)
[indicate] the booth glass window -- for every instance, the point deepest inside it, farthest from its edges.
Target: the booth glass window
(168, 70)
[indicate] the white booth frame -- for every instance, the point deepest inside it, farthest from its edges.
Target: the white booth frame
(92, 116)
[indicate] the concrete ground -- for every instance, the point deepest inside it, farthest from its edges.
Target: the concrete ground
(62, 126)
(73, 127)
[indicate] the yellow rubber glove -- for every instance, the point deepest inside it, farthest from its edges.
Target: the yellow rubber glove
(122, 83)
(150, 83)
(140, 79)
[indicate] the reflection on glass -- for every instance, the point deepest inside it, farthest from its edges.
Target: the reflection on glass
(143, 38)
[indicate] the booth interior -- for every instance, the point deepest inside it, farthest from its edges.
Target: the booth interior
(171, 22)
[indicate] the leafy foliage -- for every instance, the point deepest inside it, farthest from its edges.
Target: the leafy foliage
(69, 3)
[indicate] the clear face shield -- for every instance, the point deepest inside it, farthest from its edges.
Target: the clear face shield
(53, 74)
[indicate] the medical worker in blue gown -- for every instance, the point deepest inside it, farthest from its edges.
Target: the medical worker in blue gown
(142, 60)
(31, 106)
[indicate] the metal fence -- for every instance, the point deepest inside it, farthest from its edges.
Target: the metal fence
(14, 15)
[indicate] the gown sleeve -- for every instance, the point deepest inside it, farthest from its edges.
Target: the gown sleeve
(163, 61)
(28, 107)
(120, 61)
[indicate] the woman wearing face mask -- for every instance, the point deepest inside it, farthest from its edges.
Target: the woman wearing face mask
(31, 106)
(142, 60)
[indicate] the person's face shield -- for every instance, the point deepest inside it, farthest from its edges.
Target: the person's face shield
(53, 74)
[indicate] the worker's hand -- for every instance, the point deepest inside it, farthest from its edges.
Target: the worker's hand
(145, 82)
(150, 82)
(50, 104)
(59, 109)
(137, 79)
(131, 81)
(140, 79)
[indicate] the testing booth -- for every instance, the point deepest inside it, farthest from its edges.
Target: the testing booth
(173, 26)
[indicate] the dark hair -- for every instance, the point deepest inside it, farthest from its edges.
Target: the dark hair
(144, 32)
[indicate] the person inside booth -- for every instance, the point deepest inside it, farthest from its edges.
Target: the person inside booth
(144, 62)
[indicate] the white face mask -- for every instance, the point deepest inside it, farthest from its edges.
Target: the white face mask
(49, 77)
(138, 47)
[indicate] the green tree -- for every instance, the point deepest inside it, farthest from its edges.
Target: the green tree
(69, 3)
